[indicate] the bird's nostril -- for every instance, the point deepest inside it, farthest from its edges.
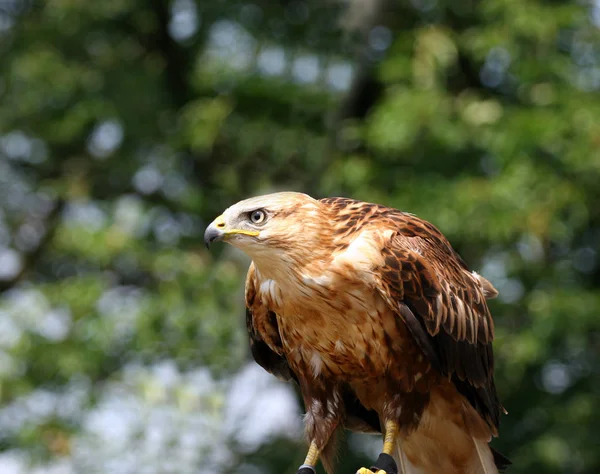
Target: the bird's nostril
(221, 225)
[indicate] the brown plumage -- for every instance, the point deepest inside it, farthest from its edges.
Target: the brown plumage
(377, 319)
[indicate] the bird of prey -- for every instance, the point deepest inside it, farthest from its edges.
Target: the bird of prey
(380, 323)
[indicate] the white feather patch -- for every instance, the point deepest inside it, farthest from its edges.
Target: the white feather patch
(321, 280)
(269, 289)
(316, 363)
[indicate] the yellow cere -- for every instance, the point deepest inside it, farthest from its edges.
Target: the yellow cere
(220, 221)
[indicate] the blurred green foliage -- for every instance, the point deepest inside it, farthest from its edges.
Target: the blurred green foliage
(126, 126)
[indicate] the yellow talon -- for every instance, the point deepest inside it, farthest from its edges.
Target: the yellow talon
(364, 470)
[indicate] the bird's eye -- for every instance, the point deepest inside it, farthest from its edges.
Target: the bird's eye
(257, 217)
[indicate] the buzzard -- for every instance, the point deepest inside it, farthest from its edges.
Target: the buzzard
(380, 323)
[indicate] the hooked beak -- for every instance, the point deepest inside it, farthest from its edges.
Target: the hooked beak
(215, 231)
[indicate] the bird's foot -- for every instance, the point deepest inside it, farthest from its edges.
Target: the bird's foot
(385, 465)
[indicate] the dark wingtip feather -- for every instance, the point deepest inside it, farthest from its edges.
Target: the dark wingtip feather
(501, 461)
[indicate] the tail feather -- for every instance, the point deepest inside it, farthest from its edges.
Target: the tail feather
(399, 457)
(449, 440)
(329, 455)
(487, 463)
(404, 465)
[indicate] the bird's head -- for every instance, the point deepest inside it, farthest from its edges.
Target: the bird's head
(270, 226)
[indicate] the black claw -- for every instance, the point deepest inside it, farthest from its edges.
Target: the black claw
(386, 463)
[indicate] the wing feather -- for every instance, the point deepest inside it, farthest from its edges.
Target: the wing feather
(453, 317)
(261, 324)
(449, 304)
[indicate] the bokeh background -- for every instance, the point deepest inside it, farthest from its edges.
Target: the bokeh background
(127, 125)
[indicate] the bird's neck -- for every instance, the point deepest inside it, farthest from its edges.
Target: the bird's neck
(285, 267)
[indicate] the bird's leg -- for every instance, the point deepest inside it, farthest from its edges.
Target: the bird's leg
(310, 461)
(391, 433)
(385, 463)
(321, 433)
(323, 416)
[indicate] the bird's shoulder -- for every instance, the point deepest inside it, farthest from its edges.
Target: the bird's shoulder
(398, 236)
(351, 216)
